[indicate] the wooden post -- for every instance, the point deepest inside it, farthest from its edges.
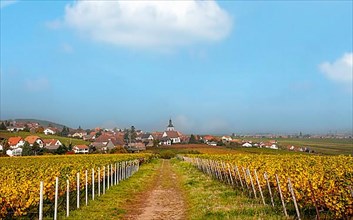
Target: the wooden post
(260, 190)
(86, 184)
(56, 198)
(111, 174)
(92, 183)
(108, 176)
(41, 201)
(99, 181)
(281, 196)
(103, 179)
(230, 175)
(78, 190)
(294, 199)
(67, 198)
(269, 189)
(246, 182)
(240, 180)
(252, 183)
(116, 173)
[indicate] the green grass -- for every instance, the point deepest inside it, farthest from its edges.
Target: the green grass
(64, 140)
(111, 205)
(209, 199)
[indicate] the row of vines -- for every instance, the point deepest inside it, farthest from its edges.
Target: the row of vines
(318, 184)
(20, 178)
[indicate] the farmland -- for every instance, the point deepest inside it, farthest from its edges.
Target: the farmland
(20, 177)
(331, 146)
(322, 181)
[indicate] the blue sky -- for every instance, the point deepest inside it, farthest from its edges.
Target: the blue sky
(213, 67)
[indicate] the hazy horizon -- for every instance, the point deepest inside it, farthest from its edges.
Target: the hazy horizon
(214, 67)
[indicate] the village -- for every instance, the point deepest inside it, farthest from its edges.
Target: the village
(102, 140)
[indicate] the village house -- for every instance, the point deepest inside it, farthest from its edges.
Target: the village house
(16, 142)
(226, 139)
(51, 144)
(80, 149)
(50, 130)
(34, 139)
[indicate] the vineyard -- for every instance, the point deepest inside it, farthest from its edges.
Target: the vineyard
(300, 184)
(87, 175)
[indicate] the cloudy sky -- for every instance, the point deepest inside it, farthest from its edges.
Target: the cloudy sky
(212, 66)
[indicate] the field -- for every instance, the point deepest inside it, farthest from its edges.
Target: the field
(322, 181)
(64, 140)
(330, 146)
(20, 177)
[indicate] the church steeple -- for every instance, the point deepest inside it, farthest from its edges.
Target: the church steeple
(170, 126)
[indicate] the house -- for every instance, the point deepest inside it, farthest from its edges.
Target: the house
(50, 130)
(247, 145)
(51, 144)
(79, 133)
(135, 147)
(226, 139)
(103, 146)
(174, 136)
(16, 142)
(207, 138)
(165, 141)
(80, 149)
(212, 143)
(34, 139)
(14, 152)
(147, 137)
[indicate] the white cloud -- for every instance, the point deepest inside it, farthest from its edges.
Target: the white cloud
(5, 3)
(149, 24)
(341, 70)
(36, 85)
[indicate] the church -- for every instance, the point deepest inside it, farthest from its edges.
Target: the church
(170, 135)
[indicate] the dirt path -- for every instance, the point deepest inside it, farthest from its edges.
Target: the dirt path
(163, 200)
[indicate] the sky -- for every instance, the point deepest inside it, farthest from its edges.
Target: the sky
(214, 67)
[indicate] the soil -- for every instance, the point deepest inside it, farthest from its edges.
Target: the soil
(163, 199)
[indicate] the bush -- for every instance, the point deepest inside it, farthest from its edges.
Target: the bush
(168, 154)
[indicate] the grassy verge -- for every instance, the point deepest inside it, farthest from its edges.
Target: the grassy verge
(209, 199)
(110, 205)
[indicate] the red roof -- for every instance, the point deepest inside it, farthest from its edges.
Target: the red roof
(81, 146)
(172, 134)
(31, 139)
(208, 137)
(50, 141)
(14, 140)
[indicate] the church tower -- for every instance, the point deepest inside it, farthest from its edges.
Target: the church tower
(170, 126)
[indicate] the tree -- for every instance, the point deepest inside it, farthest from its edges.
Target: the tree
(62, 149)
(65, 131)
(5, 146)
(192, 139)
(26, 128)
(40, 129)
(133, 133)
(26, 149)
(3, 126)
(36, 149)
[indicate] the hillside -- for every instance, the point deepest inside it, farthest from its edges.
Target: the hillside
(43, 123)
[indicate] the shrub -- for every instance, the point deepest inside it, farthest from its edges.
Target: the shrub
(168, 154)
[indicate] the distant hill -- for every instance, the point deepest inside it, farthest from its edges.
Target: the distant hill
(43, 123)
